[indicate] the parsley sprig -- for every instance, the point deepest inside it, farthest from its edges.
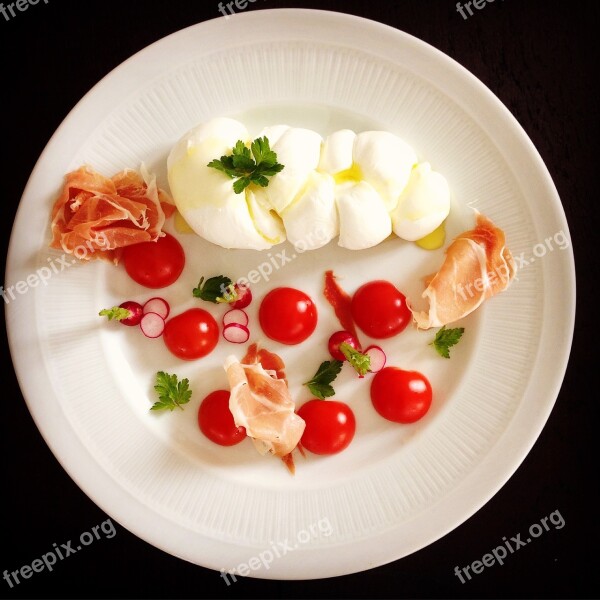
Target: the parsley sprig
(218, 290)
(249, 165)
(445, 339)
(171, 392)
(320, 385)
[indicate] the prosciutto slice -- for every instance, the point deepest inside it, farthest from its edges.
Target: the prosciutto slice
(95, 217)
(261, 402)
(478, 265)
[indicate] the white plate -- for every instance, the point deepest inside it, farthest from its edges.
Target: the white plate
(396, 489)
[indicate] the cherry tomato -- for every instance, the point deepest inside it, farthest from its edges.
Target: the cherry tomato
(192, 334)
(380, 310)
(330, 426)
(287, 315)
(155, 264)
(400, 396)
(216, 421)
(339, 337)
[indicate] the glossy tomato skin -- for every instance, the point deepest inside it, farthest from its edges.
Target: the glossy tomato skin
(401, 396)
(216, 421)
(330, 426)
(192, 334)
(287, 315)
(380, 309)
(155, 264)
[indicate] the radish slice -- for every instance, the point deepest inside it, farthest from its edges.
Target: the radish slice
(159, 306)
(236, 315)
(152, 325)
(377, 356)
(236, 333)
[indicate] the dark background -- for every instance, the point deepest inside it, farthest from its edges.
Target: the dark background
(539, 59)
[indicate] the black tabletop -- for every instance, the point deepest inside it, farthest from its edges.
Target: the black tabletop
(538, 58)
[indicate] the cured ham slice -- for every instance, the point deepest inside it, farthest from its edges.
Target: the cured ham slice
(96, 217)
(478, 265)
(261, 402)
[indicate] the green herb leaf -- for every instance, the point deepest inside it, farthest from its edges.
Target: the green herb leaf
(319, 385)
(171, 393)
(116, 313)
(249, 165)
(217, 290)
(445, 339)
(360, 362)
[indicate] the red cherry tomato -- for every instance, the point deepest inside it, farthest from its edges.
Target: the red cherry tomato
(339, 337)
(401, 396)
(287, 315)
(216, 421)
(380, 310)
(330, 426)
(192, 334)
(155, 264)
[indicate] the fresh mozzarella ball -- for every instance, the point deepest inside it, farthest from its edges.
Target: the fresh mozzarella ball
(299, 150)
(267, 223)
(364, 219)
(273, 133)
(337, 152)
(423, 205)
(205, 196)
(311, 221)
(209, 140)
(385, 162)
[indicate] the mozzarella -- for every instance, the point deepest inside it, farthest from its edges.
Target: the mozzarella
(311, 221)
(364, 219)
(358, 186)
(385, 162)
(337, 152)
(267, 222)
(423, 205)
(299, 150)
(205, 197)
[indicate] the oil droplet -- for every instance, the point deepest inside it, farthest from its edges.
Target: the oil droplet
(433, 240)
(181, 225)
(352, 174)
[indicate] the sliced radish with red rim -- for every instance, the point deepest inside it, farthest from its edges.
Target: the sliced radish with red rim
(236, 315)
(377, 357)
(152, 325)
(236, 333)
(159, 306)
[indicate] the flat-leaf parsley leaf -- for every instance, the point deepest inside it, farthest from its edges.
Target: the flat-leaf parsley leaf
(249, 165)
(445, 339)
(319, 385)
(171, 392)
